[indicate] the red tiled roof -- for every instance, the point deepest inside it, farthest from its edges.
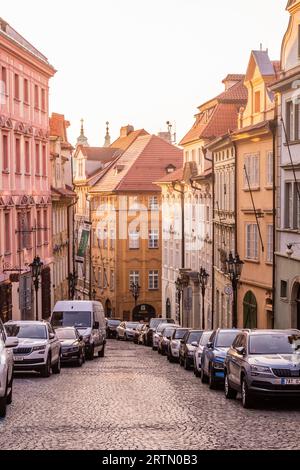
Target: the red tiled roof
(232, 77)
(222, 116)
(124, 143)
(99, 154)
(170, 177)
(65, 192)
(58, 126)
(144, 162)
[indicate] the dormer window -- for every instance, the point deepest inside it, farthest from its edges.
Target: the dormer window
(118, 169)
(170, 169)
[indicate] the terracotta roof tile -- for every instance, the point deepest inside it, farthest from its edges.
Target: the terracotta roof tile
(124, 143)
(175, 176)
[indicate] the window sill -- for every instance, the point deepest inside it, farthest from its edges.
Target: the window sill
(269, 188)
(17, 100)
(26, 104)
(134, 249)
(284, 300)
(153, 290)
(292, 142)
(5, 172)
(36, 108)
(18, 173)
(27, 174)
(153, 248)
(254, 261)
(7, 253)
(254, 188)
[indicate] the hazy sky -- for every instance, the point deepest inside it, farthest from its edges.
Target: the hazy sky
(143, 62)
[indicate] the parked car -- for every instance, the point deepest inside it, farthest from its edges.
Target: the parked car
(154, 322)
(126, 330)
(72, 345)
(6, 369)
(213, 357)
(137, 332)
(165, 338)
(142, 338)
(38, 347)
(174, 344)
(188, 346)
(199, 351)
(111, 327)
(157, 334)
(88, 317)
(263, 364)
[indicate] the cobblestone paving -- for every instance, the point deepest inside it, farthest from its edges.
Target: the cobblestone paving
(135, 399)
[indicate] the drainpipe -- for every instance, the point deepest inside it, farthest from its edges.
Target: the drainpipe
(71, 268)
(273, 127)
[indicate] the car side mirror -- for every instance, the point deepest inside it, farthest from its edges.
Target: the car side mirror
(194, 344)
(241, 351)
(209, 345)
(11, 342)
(51, 336)
(96, 325)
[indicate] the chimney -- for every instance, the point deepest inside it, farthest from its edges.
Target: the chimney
(126, 130)
(3, 25)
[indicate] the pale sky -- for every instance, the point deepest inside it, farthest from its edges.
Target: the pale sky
(143, 62)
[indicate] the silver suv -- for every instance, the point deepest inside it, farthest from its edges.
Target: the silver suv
(263, 363)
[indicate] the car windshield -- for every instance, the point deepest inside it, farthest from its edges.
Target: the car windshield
(179, 334)
(27, 331)
(132, 326)
(226, 338)
(205, 338)
(113, 322)
(168, 332)
(154, 322)
(194, 337)
(274, 344)
(66, 334)
(160, 328)
(77, 319)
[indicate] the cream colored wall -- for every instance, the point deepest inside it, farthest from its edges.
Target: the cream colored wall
(289, 54)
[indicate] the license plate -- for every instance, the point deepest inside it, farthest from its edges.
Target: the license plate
(290, 381)
(18, 358)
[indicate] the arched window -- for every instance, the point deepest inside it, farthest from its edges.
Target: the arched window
(250, 310)
(168, 308)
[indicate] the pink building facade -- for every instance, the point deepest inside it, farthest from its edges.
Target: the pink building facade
(25, 181)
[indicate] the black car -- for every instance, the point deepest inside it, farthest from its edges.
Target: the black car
(154, 323)
(188, 347)
(72, 345)
(111, 327)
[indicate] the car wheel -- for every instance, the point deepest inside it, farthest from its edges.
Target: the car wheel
(247, 400)
(203, 376)
(57, 367)
(125, 337)
(91, 354)
(46, 370)
(80, 360)
(10, 393)
(101, 353)
(211, 379)
(197, 372)
(118, 338)
(180, 361)
(230, 393)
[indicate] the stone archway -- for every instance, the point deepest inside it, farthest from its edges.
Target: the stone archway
(108, 309)
(250, 310)
(143, 313)
(295, 298)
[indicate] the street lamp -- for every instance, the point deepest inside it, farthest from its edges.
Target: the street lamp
(135, 290)
(203, 281)
(179, 288)
(234, 269)
(36, 270)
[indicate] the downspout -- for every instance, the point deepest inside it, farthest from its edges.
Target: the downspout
(71, 269)
(182, 223)
(273, 127)
(211, 160)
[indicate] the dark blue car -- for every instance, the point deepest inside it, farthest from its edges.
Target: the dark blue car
(213, 357)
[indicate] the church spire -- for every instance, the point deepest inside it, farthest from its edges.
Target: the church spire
(82, 139)
(107, 136)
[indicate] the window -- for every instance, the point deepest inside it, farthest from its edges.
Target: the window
(43, 99)
(269, 168)
(251, 171)
(252, 241)
(112, 239)
(290, 120)
(292, 206)
(3, 84)
(153, 239)
(28, 242)
(44, 160)
(153, 203)
(270, 244)
(112, 280)
(5, 153)
(37, 159)
(39, 226)
(7, 241)
(45, 226)
(26, 91)
(27, 157)
(18, 156)
(283, 289)
(20, 227)
(99, 278)
(17, 87)
(257, 102)
(134, 278)
(207, 214)
(134, 240)
(153, 280)
(36, 97)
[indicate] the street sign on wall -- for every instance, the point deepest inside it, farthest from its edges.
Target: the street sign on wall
(228, 289)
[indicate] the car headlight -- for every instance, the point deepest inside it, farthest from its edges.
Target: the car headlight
(74, 349)
(256, 370)
(39, 348)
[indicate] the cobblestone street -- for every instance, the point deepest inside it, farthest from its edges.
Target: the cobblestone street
(135, 399)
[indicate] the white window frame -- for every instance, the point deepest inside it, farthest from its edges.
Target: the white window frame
(134, 278)
(153, 280)
(269, 169)
(153, 240)
(252, 241)
(252, 164)
(134, 240)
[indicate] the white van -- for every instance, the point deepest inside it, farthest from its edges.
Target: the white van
(88, 317)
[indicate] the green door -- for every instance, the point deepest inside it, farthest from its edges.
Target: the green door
(250, 310)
